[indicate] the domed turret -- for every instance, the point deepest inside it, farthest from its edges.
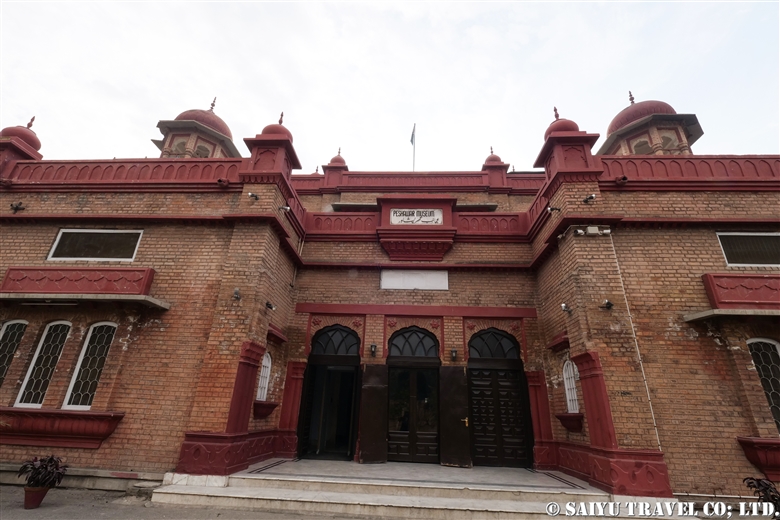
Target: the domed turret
(207, 118)
(24, 133)
(493, 158)
(337, 160)
(277, 129)
(636, 111)
(198, 134)
(560, 125)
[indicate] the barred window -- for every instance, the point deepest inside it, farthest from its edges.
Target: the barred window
(493, 343)
(10, 336)
(41, 370)
(265, 377)
(766, 357)
(95, 244)
(335, 340)
(751, 248)
(414, 341)
(93, 356)
(570, 375)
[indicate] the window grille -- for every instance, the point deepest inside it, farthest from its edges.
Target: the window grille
(90, 366)
(751, 248)
(10, 337)
(414, 341)
(766, 357)
(38, 377)
(265, 377)
(335, 340)
(493, 343)
(95, 244)
(570, 375)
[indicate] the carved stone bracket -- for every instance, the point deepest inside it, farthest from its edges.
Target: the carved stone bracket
(763, 454)
(571, 421)
(60, 428)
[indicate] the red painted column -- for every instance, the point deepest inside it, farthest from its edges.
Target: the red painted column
(244, 386)
(545, 453)
(594, 393)
(287, 441)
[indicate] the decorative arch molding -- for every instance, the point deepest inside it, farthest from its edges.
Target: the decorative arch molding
(335, 340)
(413, 342)
(514, 328)
(432, 324)
(317, 322)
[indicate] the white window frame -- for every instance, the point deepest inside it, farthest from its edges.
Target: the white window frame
(744, 233)
(65, 405)
(91, 259)
(570, 375)
(19, 404)
(264, 378)
(5, 327)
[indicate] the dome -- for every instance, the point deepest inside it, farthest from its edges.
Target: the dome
(277, 129)
(493, 158)
(207, 118)
(636, 111)
(560, 125)
(24, 133)
(338, 160)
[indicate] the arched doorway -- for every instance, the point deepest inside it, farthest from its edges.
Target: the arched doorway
(328, 417)
(413, 392)
(499, 408)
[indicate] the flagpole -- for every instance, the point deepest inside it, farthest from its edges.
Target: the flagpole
(414, 145)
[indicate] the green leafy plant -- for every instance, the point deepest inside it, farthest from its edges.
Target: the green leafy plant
(43, 472)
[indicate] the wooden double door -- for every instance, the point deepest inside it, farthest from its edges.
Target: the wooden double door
(413, 414)
(501, 431)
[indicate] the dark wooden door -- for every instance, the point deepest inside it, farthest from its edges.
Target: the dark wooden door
(413, 414)
(453, 419)
(499, 408)
(373, 414)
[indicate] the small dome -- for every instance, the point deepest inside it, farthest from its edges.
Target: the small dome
(24, 133)
(493, 158)
(338, 160)
(207, 118)
(277, 129)
(636, 111)
(561, 125)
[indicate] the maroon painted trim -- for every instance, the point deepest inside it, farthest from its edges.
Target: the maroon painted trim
(742, 291)
(763, 454)
(416, 310)
(597, 407)
(571, 421)
(262, 409)
(276, 333)
(112, 217)
(58, 428)
(418, 266)
(545, 453)
(681, 222)
(211, 453)
(690, 185)
(559, 342)
(291, 401)
(78, 280)
(250, 358)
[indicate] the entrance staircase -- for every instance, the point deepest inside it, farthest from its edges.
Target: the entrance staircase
(392, 490)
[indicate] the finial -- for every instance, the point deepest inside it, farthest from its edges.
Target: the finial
(555, 111)
(317, 169)
(212, 105)
(513, 168)
(631, 97)
(491, 150)
(31, 122)
(339, 150)
(281, 117)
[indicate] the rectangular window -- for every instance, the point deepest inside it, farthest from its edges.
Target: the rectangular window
(38, 377)
(93, 356)
(757, 249)
(95, 244)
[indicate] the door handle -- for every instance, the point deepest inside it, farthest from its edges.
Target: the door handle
(466, 421)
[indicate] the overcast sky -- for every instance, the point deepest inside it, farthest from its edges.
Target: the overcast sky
(98, 76)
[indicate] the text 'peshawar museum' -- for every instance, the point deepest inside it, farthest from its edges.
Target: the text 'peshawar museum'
(613, 316)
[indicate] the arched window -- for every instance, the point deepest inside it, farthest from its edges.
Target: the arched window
(265, 377)
(766, 357)
(41, 370)
(335, 340)
(10, 336)
(493, 343)
(570, 375)
(414, 342)
(93, 356)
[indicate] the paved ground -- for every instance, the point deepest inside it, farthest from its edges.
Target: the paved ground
(83, 504)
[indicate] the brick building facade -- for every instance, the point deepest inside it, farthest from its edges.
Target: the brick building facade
(614, 316)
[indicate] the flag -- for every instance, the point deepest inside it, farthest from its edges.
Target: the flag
(413, 129)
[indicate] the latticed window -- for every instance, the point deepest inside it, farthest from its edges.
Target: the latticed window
(265, 377)
(766, 357)
(751, 248)
(414, 341)
(335, 340)
(493, 343)
(90, 366)
(570, 375)
(10, 336)
(38, 377)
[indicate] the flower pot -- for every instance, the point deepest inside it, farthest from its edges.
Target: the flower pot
(33, 496)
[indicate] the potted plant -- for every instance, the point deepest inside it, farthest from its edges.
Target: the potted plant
(42, 474)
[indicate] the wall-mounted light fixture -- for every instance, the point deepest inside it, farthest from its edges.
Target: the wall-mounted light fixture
(607, 305)
(454, 354)
(269, 305)
(286, 209)
(566, 308)
(550, 209)
(17, 206)
(373, 350)
(589, 198)
(579, 232)
(253, 196)
(236, 294)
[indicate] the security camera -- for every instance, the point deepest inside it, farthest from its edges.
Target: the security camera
(589, 198)
(253, 196)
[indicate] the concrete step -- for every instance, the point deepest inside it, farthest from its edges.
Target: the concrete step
(362, 505)
(395, 487)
